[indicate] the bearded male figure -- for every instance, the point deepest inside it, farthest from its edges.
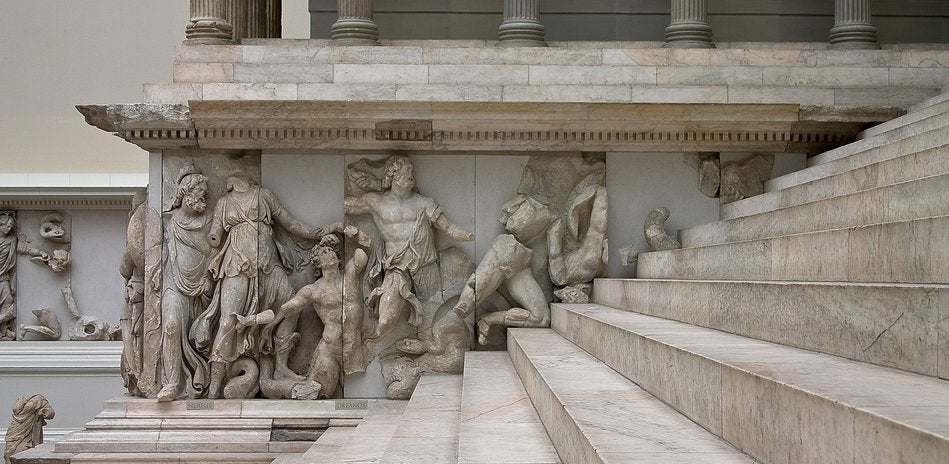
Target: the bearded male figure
(186, 287)
(409, 264)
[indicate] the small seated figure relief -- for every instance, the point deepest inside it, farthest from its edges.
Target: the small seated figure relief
(11, 244)
(48, 328)
(655, 232)
(30, 414)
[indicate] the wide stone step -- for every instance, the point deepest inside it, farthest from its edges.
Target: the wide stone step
(368, 442)
(499, 425)
(939, 105)
(428, 432)
(594, 415)
(776, 403)
(944, 96)
(901, 326)
(324, 449)
(921, 198)
(935, 122)
(910, 166)
(868, 152)
(914, 251)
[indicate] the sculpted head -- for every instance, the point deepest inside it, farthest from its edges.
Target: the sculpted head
(6, 223)
(192, 192)
(399, 173)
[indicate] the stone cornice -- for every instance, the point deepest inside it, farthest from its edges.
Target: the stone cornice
(67, 198)
(484, 126)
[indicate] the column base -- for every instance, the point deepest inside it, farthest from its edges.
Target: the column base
(689, 34)
(521, 33)
(854, 36)
(209, 31)
(355, 31)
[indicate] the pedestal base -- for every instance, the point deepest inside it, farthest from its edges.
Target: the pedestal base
(144, 430)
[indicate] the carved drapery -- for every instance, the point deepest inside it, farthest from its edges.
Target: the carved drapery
(688, 27)
(520, 27)
(852, 26)
(354, 25)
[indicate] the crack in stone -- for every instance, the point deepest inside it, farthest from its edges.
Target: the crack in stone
(875, 340)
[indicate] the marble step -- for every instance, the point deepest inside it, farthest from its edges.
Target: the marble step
(904, 168)
(938, 105)
(776, 403)
(177, 458)
(428, 432)
(935, 122)
(368, 442)
(920, 198)
(324, 449)
(914, 251)
(866, 154)
(944, 96)
(900, 326)
(498, 422)
(595, 415)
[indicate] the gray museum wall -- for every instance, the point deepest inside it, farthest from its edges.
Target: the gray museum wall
(899, 21)
(75, 376)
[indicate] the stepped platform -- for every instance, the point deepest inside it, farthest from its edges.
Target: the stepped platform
(897, 325)
(913, 251)
(593, 414)
(776, 403)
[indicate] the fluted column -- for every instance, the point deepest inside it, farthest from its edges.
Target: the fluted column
(688, 27)
(354, 25)
(263, 19)
(852, 26)
(209, 24)
(520, 27)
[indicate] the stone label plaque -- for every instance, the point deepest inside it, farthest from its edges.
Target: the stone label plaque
(349, 405)
(199, 405)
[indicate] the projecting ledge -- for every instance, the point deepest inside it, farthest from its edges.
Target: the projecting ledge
(494, 126)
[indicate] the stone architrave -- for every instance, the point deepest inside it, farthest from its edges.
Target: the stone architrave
(688, 27)
(354, 25)
(250, 272)
(11, 244)
(521, 27)
(655, 232)
(30, 414)
(209, 24)
(853, 26)
(745, 178)
(186, 286)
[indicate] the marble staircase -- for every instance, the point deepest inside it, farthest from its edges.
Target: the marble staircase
(809, 324)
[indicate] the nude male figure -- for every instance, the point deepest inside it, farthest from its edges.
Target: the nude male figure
(407, 222)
